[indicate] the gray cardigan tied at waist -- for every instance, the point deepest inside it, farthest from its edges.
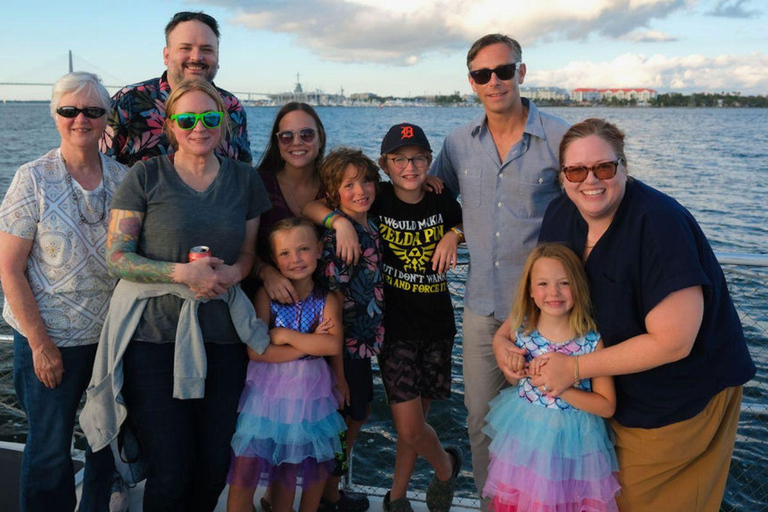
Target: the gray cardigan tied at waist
(104, 410)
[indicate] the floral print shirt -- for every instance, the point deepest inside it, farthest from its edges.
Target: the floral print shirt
(363, 291)
(135, 124)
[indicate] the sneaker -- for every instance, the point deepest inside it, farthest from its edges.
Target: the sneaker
(440, 493)
(118, 495)
(348, 502)
(265, 505)
(399, 505)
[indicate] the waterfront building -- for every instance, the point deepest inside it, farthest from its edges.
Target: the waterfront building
(543, 94)
(591, 95)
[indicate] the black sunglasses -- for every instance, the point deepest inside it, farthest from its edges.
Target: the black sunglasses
(601, 170)
(504, 72)
(72, 112)
(305, 134)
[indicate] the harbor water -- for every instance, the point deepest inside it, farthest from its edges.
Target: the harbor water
(713, 161)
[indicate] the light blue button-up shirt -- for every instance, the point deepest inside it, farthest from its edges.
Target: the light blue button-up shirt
(503, 203)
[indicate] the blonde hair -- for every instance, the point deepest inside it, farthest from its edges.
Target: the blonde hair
(525, 313)
(288, 224)
(185, 87)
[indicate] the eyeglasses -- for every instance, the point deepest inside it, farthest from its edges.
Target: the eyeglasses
(188, 120)
(401, 162)
(73, 112)
(305, 134)
(503, 72)
(601, 170)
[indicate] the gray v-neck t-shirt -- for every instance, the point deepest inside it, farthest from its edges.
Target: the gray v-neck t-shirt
(177, 218)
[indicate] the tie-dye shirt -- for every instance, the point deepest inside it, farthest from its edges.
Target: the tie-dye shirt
(135, 124)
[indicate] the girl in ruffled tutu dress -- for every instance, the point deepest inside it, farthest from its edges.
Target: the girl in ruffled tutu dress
(288, 428)
(550, 454)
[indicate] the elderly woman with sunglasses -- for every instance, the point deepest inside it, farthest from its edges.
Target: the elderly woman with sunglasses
(673, 339)
(53, 225)
(165, 207)
(289, 169)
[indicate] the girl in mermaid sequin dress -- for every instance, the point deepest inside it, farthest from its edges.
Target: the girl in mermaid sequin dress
(288, 428)
(550, 454)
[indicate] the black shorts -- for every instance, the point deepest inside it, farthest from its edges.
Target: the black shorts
(360, 381)
(416, 369)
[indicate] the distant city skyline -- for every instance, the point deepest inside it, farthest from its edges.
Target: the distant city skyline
(403, 48)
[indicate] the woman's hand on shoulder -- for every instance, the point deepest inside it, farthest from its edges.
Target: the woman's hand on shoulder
(277, 286)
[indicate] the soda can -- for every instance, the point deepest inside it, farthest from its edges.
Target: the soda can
(200, 251)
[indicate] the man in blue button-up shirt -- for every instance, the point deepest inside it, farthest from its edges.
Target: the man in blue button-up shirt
(504, 165)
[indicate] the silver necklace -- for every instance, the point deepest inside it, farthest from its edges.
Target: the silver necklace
(76, 198)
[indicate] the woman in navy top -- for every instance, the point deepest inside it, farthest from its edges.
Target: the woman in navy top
(673, 338)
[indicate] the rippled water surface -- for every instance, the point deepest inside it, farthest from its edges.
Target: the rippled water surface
(713, 161)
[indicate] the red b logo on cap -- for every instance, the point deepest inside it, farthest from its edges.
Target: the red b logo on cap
(406, 132)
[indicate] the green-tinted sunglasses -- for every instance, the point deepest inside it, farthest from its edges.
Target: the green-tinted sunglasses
(188, 120)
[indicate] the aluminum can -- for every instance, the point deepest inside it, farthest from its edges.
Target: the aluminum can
(200, 251)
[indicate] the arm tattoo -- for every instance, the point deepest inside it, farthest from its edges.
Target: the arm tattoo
(122, 259)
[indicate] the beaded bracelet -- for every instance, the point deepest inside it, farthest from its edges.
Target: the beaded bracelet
(328, 218)
(576, 370)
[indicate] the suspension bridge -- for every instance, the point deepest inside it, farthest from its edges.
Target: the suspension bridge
(15, 89)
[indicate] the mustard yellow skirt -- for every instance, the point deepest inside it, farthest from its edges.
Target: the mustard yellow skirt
(679, 467)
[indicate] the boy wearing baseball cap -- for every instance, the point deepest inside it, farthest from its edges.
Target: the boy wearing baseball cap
(419, 231)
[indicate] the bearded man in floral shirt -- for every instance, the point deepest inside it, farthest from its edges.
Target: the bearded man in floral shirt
(135, 124)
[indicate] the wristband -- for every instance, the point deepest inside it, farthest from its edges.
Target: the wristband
(458, 232)
(328, 218)
(576, 370)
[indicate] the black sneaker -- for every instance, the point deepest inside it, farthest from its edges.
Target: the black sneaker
(348, 502)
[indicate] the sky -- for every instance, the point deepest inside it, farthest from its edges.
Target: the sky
(398, 47)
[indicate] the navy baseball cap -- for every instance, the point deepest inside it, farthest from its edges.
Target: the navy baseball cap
(404, 134)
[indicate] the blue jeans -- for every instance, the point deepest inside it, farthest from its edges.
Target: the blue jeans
(47, 473)
(185, 442)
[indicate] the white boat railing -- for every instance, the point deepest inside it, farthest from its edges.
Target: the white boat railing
(370, 469)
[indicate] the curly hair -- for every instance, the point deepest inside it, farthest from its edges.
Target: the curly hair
(334, 165)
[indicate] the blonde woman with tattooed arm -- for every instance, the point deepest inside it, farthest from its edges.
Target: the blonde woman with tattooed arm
(165, 207)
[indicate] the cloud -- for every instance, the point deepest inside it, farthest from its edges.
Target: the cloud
(649, 36)
(694, 73)
(733, 9)
(403, 31)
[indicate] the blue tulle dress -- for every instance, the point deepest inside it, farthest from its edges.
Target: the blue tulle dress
(289, 426)
(546, 455)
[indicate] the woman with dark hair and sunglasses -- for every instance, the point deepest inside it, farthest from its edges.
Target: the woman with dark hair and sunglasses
(53, 224)
(165, 207)
(289, 169)
(673, 339)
